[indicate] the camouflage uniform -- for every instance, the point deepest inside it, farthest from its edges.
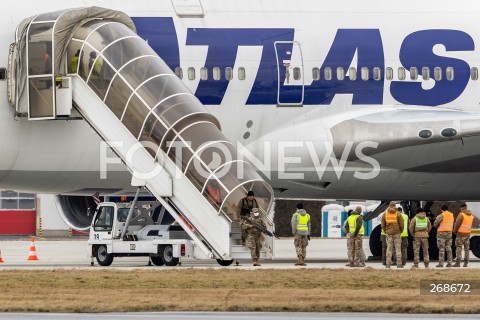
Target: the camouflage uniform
(459, 243)
(423, 242)
(254, 237)
(444, 243)
(394, 240)
(356, 248)
(301, 243)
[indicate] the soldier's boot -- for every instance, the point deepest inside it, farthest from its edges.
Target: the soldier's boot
(426, 265)
(457, 264)
(415, 266)
(359, 265)
(439, 265)
(449, 265)
(299, 262)
(255, 263)
(347, 265)
(399, 266)
(465, 264)
(302, 262)
(387, 266)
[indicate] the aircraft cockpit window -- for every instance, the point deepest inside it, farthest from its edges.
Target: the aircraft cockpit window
(316, 74)
(413, 73)
(401, 73)
(365, 73)
(203, 73)
(3, 74)
(426, 73)
(228, 73)
(437, 73)
(327, 73)
(450, 73)
(377, 74)
(474, 73)
(352, 74)
(389, 73)
(296, 73)
(340, 73)
(191, 73)
(241, 73)
(216, 73)
(179, 72)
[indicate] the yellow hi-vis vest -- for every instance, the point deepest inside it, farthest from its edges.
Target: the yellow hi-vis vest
(405, 226)
(447, 222)
(421, 223)
(74, 64)
(302, 224)
(352, 225)
(466, 226)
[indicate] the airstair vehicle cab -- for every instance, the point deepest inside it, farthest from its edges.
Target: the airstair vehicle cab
(90, 63)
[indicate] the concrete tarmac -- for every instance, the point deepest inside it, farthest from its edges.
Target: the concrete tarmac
(73, 254)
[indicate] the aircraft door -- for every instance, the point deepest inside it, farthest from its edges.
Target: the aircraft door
(290, 73)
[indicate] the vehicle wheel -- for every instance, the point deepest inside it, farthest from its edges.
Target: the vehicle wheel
(475, 246)
(103, 258)
(157, 260)
(375, 243)
(167, 256)
(224, 263)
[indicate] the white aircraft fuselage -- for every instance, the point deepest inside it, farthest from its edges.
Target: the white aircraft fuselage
(346, 99)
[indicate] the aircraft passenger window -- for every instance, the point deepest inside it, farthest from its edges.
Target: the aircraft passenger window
(179, 72)
(352, 74)
(474, 73)
(340, 73)
(203, 73)
(191, 73)
(413, 73)
(216, 73)
(327, 73)
(296, 73)
(401, 73)
(450, 73)
(241, 73)
(228, 73)
(377, 74)
(316, 74)
(3, 74)
(426, 73)
(437, 73)
(365, 73)
(389, 73)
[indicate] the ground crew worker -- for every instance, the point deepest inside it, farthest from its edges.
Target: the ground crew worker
(246, 205)
(463, 227)
(74, 62)
(404, 235)
(383, 238)
(301, 228)
(94, 65)
(420, 226)
(254, 237)
(347, 232)
(356, 230)
(392, 224)
(444, 225)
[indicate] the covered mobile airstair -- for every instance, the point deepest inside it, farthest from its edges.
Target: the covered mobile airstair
(93, 58)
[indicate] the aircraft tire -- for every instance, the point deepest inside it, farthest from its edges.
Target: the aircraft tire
(375, 243)
(475, 246)
(103, 258)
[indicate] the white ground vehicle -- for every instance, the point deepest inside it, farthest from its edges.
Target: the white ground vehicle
(127, 229)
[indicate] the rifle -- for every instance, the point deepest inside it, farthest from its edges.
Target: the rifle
(259, 227)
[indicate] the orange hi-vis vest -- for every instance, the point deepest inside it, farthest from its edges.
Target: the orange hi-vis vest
(391, 217)
(447, 222)
(466, 226)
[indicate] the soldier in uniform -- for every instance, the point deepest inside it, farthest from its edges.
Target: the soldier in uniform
(301, 230)
(392, 225)
(356, 230)
(254, 237)
(246, 205)
(419, 227)
(463, 228)
(444, 225)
